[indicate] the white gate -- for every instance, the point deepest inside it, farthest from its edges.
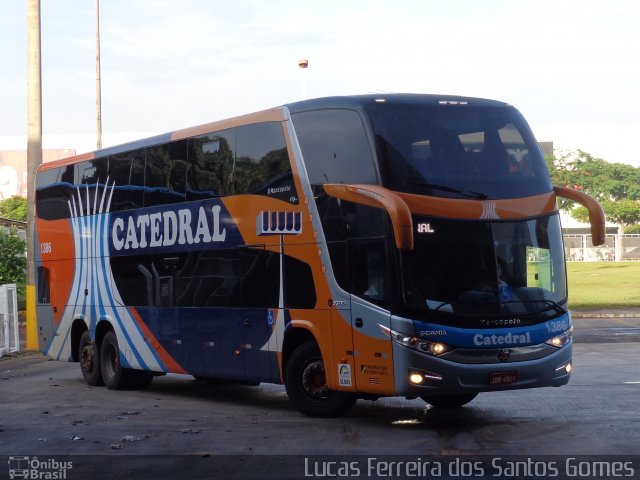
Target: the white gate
(9, 331)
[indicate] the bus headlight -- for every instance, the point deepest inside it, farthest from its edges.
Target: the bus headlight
(560, 340)
(427, 346)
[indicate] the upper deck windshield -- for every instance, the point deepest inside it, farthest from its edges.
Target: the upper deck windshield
(485, 268)
(457, 151)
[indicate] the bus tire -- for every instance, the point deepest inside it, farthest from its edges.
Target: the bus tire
(449, 401)
(89, 360)
(114, 375)
(305, 382)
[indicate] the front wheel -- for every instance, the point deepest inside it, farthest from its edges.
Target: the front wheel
(115, 376)
(449, 401)
(306, 384)
(89, 360)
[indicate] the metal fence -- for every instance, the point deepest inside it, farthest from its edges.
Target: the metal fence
(9, 330)
(578, 248)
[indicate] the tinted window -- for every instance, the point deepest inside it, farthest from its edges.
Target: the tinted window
(299, 288)
(369, 273)
(211, 158)
(134, 279)
(204, 279)
(458, 151)
(126, 171)
(360, 266)
(335, 147)
(262, 162)
(44, 294)
(260, 278)
(244, 278)
(54, 189)
(91, 172)
(342, 222)
(90, 178)
(165, 173)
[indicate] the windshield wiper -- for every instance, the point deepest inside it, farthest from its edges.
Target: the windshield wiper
(445, 188)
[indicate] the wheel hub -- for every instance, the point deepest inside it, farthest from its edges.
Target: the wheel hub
(86, 360)
(314, 379)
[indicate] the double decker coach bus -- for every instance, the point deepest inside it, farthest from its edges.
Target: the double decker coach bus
(346, 247)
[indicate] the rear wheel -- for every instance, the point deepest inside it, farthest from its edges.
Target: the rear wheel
(89, 360)
(115, 376)
(449, 401)
(306, 384)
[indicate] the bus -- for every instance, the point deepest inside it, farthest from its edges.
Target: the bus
(346, 247)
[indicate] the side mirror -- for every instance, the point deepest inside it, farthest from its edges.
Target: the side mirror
(379, 197)
(596, 213)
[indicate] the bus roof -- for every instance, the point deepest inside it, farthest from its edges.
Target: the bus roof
(358, 101)
(355, 102)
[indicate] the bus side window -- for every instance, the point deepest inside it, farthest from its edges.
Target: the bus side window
(299, 287)
(206, 279)
(134, 280)
(165, 173)
(54, 190)
(44, 292)
(369, 270)
(210, 165)
(260, 276)
(335, 147)
(262, 162)
(344, 224)
(126, 175)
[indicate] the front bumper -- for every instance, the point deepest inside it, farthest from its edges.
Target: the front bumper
(446, 377)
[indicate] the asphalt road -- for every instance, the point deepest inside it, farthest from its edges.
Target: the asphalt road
(46, 409)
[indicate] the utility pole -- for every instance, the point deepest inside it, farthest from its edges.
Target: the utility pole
(34, 157)
(98, 79)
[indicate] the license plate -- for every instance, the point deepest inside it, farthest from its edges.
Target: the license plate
(502, 378)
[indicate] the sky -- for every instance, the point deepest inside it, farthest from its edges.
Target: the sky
(572, 67)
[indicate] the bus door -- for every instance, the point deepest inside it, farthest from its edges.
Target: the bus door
(369, 310)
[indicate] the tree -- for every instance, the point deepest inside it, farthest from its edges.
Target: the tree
(615, 185)
(12, 259)
(14, 208)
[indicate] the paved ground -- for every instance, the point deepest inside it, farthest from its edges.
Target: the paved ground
(47, 410)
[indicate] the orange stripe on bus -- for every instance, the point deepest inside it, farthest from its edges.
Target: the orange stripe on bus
(508, 209)
(169, 362)
(272, 115)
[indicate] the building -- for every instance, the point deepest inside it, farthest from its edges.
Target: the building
(13, 169)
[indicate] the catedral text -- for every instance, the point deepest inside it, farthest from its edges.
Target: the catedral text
(168, 228)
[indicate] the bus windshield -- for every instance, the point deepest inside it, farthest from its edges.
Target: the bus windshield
(460, 151)
(485, 268)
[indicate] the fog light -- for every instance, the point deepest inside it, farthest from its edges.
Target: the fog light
(567, 367)
(419, 377)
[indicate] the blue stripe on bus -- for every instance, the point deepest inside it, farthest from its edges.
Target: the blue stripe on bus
(494, 337)
(112, 302)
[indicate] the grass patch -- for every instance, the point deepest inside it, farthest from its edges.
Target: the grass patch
(603, 285)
